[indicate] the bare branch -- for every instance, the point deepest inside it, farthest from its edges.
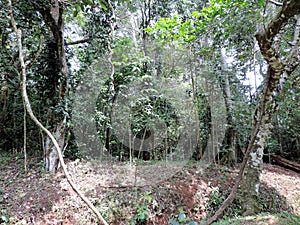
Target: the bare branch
(78, 42)
(276, 3)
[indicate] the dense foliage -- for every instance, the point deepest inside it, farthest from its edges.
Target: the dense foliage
(172, 39)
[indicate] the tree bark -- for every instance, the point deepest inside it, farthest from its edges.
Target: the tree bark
(277, 66)
(37, 122)
(285, 163)
(53, 18)
(228, 155)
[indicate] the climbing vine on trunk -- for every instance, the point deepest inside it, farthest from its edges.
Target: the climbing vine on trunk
(38, 123)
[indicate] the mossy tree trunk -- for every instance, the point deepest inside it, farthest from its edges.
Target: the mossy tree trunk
(53, 17)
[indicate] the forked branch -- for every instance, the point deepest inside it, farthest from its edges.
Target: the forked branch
(265, 38)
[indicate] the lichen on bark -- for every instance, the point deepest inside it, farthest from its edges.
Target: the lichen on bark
(251, 179)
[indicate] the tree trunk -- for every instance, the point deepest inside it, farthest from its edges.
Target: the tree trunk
(227, 155)
(51, 160)
(276, 159)
(277, 66)
(278, 133)
(251, 179)
(53, 17)
(267, 105)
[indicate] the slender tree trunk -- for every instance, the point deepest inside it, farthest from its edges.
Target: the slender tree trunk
(279, 138)
(198, 152)
(227, 145)
(25, 138)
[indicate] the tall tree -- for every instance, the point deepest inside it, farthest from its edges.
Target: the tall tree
(227, 145)
(27, 105)
(52, 14)
(279, 66)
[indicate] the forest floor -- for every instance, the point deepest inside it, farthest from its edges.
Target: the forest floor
(172, 194)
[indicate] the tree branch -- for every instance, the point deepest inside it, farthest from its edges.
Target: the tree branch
(266, 37)
(293, 59)
(275, 69)
(276, 3)
(86, 40)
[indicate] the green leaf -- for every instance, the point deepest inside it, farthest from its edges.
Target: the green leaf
(103, 6)
(202, 222)
(149, 30)
(196, 14)
(3, 218)
(89, 2)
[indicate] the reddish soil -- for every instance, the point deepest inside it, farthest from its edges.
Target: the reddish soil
(194, 191)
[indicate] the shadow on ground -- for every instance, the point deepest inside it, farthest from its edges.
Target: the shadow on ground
(191, 194)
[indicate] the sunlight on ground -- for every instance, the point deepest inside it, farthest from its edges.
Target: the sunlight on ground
(291, 187)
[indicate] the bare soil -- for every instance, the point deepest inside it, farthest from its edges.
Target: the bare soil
(149, 194)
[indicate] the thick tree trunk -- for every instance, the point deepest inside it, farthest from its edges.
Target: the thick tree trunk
(251, 179)
(51, 160)
(277, 66)
(53, 17)
(267, 105)
(261, 125)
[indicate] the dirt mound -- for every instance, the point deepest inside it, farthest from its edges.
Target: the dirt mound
(192, 194)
